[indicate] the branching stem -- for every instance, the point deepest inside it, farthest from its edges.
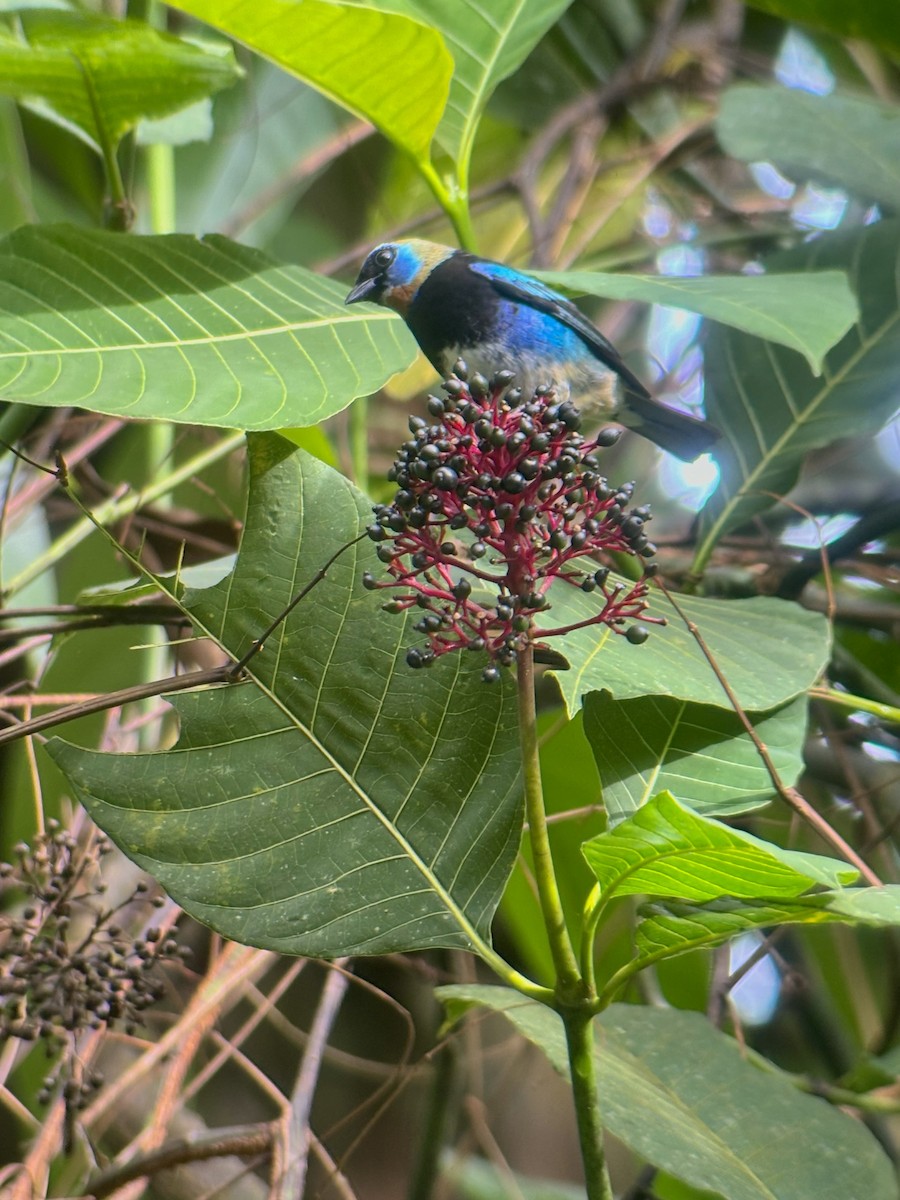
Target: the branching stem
(568, 977)
(575, 998)
(583, 1064)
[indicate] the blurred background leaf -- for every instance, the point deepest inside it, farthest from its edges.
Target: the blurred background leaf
(102, 76)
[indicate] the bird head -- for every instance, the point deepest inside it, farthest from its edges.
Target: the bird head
(394, 271)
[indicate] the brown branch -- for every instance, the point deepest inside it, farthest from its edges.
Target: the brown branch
(240, 1141)
(295, 1127)
(142, 691)
(790, 795)
(635, 75)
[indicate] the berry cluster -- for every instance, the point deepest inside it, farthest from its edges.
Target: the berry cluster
(497, 498)
(65, 964)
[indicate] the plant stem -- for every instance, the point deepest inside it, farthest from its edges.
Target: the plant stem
(886, 712)
(580, 1042)
(455, 204)
(569, 984)
(439, 1103)
(575, 996)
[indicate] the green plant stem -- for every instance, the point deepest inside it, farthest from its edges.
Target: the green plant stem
(441, 1100)
(454, 202)
(575, 997)
(580, 1043)
(887, 712)
(160, 157)
(119, 213)
(161, 187)
(160, 162)
(593, 910)
(569, 983)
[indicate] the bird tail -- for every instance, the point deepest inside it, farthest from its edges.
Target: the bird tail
(682, 435)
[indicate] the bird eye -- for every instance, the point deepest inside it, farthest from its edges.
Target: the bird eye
(385, 256)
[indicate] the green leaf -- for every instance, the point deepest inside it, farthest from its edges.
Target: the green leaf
(840, 140)
(773, 410)
(875, 21)
(699, 753)
(667, 929)
(789, 651)
(488, 42)
(664, 849)
(204, 331)
(808, 312)
(391, 70)
(16, 205)
(477, 1179)
(103, 76)
(682, 1096)
(324, 806)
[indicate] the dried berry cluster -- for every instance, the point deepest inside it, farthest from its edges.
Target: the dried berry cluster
(497, 498)
(65, 964)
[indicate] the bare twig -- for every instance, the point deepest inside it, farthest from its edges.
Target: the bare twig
(790, 795)
(586, 113)
(234, 967)
(240, 1141)
(141, 691)
(295, 1127)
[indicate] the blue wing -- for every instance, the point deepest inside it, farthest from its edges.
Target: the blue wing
(523, 289)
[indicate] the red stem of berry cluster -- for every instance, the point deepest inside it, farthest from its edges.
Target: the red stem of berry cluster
(498, 499)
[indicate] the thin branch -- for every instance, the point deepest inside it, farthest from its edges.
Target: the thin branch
(877, 523)
(790, 795)
(235, 670)
(296, 1127)
(142, 691)
(239, 1141)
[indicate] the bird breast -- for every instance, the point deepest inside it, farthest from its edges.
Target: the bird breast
(585, 381)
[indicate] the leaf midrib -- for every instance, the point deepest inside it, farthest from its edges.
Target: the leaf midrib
(764, 463)
(683, 852)
(434, 883)
(209, 340)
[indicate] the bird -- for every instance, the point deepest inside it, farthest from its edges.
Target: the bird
(495, 318)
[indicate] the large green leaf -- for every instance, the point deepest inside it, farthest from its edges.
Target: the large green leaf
(488, 42)
(773, 410)
(337, 802)
(700, 753)
(808, 312)
(205, 331)
(667, 929)
(682, 1095)
(875, 21)
(767, 649)
(664, 849)
(391, 70)
(837, 139)
(103, 76)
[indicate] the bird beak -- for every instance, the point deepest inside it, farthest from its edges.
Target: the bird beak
(362, 291)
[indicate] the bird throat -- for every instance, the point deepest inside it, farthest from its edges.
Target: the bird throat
(453, 307)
